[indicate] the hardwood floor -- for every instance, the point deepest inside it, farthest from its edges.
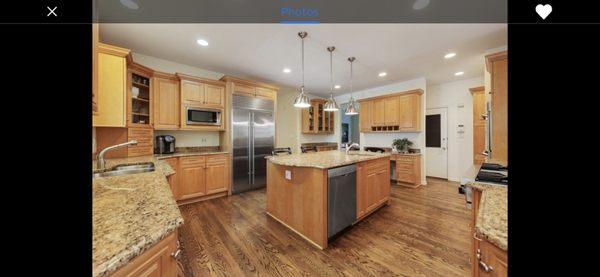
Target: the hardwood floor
(424, 231)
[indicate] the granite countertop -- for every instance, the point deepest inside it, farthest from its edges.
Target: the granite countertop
(325, 159)
(492, 217)
(131, 213)
(406, 154)
(185, 154)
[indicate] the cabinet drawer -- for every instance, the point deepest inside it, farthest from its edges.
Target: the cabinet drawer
(138, 150)
(404, 166)
(192, 161)
(242, 89)
(139, 132)
(405, 159)
(216, 159)
(405, 177)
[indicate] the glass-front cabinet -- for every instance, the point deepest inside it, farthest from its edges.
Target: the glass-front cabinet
(315, 120)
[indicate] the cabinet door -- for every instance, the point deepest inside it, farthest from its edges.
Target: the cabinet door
(265, 92)
(383, 184)
(215, 96)
(392, 113)
(378, 116)
(361, 190)
(166, 103)
(495, 258)
(217, 174)
(500, 111)
(409, 112)
(174, 179)
(192, 181)
(155, 261)
(365, 116)
(95, 41)
(192, 92)
(479, 108)
(111, 98)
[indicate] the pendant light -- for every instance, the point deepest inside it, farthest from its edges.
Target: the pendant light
(301, 100)
(352, 108)
(330, 104)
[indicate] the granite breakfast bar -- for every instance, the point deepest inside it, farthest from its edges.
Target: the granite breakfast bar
(297, 189)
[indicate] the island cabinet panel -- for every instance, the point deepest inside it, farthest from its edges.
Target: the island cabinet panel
(373, 186)
(192, 182)
(158, 261)
(489, 260)
(299, 203)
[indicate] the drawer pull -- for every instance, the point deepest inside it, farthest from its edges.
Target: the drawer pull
(485, 267)
(475, 237)
(176, 254)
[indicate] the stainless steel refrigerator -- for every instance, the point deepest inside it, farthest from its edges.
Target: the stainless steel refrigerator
(253, 135)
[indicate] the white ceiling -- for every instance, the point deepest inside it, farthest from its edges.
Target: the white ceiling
(261, 51)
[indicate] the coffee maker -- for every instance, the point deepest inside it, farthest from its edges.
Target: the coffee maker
(164, 144)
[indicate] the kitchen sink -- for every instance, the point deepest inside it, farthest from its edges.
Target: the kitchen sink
(121, 170)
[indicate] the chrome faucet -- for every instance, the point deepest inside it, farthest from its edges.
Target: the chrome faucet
(101, 162)
(349, 146)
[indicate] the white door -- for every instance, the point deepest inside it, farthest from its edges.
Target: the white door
(436, 142)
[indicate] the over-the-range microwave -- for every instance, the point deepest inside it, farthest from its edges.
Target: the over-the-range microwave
(202, 116)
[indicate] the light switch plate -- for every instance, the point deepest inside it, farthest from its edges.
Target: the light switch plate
(288, 174)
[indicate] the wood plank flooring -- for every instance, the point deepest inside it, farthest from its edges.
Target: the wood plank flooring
(423, 232)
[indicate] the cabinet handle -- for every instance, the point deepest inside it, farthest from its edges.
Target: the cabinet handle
(175, 254)
(485, 267)
(475, 237)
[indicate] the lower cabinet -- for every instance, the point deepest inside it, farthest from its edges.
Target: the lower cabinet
(199, 177)
(373, 185)
(160, 260)
(408, 170)
(486, 258)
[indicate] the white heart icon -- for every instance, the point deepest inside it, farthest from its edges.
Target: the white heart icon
(543, 10)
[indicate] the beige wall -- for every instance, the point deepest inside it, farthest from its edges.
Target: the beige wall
(287, 120)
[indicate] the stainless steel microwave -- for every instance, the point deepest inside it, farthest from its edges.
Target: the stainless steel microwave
(202, 116)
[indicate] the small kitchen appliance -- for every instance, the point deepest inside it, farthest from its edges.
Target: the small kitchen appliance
(164, 144)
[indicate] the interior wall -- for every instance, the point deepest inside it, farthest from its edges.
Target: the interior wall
(190, 138)
(287, 120)
(456, 97)
(385, 139)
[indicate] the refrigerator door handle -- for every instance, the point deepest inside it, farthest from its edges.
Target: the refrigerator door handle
(252, 146)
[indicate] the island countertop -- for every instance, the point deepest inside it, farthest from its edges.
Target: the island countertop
(492, 217)
(325, 159)
(131, 213)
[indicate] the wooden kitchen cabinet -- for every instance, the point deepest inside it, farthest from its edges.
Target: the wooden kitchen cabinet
(95, 45)
(159, 260)
(200, 92)
(139, 103)
(373, 186)
(410, 112)
(111, 87)
(193, 177)
(484, 254)
(315, 120)
(199, 178)
(497, 66)
(217, 168)
(479, 109)
(408, 169)
(365, 118)
(166, 101)
(398, 112)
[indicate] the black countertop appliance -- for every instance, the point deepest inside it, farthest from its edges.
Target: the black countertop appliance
(164, 144)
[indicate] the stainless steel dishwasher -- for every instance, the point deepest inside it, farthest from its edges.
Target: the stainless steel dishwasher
(341, 196)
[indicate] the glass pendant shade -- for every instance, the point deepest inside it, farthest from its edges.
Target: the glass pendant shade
(301, 100)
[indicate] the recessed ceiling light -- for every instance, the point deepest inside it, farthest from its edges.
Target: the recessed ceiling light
(130, 4)
(459, 73)
(337, 86)
(202, 42)
(450, 55)
(287, 70)
(382, 74)
(420, 4)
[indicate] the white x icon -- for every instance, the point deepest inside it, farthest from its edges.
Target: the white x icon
(52, 12)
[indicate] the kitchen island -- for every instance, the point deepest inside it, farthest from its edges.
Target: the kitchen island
(297, 189)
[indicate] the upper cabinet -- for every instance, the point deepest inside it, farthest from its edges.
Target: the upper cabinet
(315, 120)
(398, 112)
(139, 96)
(497, 66)
(166, 101)
(111, 87)
(239, 86)
(95, 42)
(202, 92)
